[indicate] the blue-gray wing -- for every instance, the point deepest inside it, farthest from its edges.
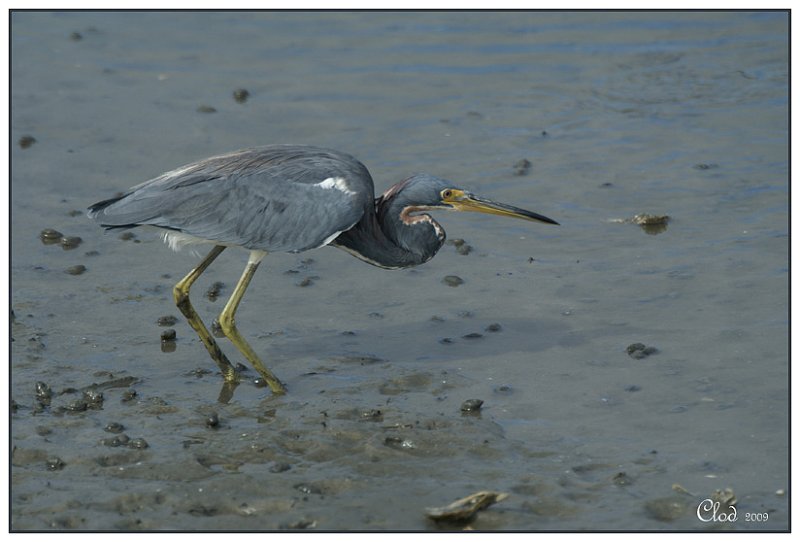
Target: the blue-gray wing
(275, 198)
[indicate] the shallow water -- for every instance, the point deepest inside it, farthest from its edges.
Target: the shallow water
(619, 114)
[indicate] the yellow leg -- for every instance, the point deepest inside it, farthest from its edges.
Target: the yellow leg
(228, 324)
(181, 294)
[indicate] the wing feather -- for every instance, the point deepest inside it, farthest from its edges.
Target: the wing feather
(276, 198)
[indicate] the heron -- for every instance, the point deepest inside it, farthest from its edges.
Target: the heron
(287, 198)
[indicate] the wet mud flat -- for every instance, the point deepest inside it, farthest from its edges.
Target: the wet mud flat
(384, 419)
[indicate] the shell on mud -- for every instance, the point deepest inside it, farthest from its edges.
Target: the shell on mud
(464, 509)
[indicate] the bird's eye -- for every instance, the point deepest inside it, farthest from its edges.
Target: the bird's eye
(447, 193)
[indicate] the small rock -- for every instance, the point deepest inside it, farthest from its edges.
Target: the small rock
(399, 443)
(214, 290)
(453, 281)
(640, 351)
(666, 508)
(68, 243)
(206, 109)
(138, 443)
(26, 141)
(166, 321)
(94, 399)
(116, 442)
(75, 270)
(43, 392)
(241, 95)
(504, 390)
(55, 463)
(114, 427)
(76, 405)
(622, 479)
(471, 405)
(212, 420)
(49, 236)
(168, 335)
(522, 167)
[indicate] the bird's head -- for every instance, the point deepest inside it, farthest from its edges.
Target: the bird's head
(425, 192)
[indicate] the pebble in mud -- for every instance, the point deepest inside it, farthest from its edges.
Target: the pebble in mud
(472, 336)
(494, 328)
(114, 427)
(214, 291)
(522, 167)
(26, 141)
(68, 243)
(128, 395)
(651, 224)
(640, 350)
(49, 236)
(471, 405)
(43, 393)
(461, 246)
(206, 109)
(168, 335)
(308, 281)
(138, 444)
(372, 415)
(399, 443)
(241, 95)
(298, 525)
(166, 321)
(666, 508)
(280, 467)
(75, 269)
(76, 405)
(453, 281)
(116, 441)
(94, 399)
(622, 479)
(127, 236)
(212, 420)
(55, 463)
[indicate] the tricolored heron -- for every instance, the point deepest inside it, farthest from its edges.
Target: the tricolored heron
(288, 198)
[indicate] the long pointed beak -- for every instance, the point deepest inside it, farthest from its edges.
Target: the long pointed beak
(471, 202)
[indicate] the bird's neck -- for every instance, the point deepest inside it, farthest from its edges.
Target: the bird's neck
(392, 238)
